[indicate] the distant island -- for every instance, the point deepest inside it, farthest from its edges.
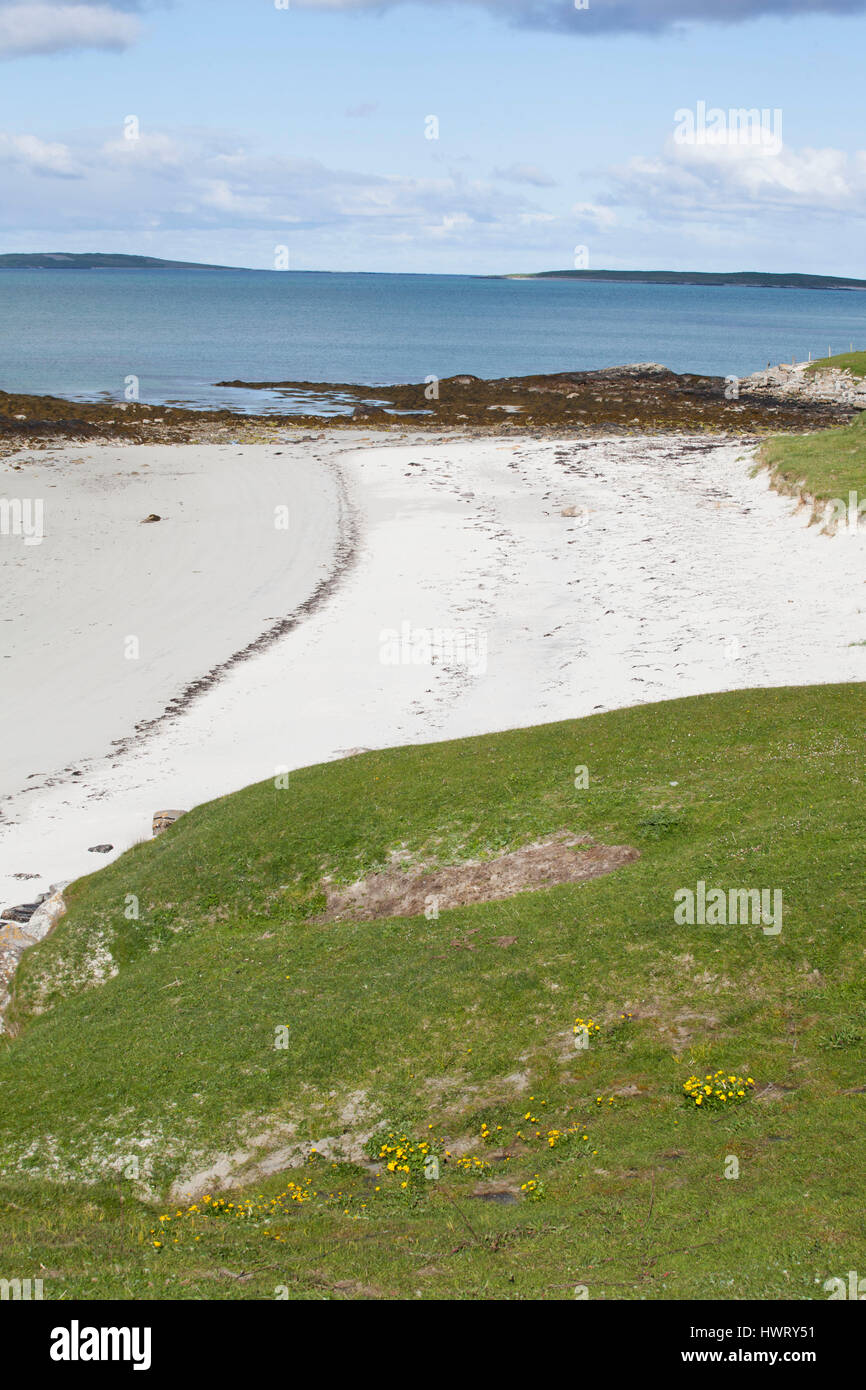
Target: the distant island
(759, 279)
(97, 260)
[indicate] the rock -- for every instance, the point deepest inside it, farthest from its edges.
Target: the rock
(22, 913)
(163, 819)
(100, 849)
(830, 385)
(45, 918)
(153, 517)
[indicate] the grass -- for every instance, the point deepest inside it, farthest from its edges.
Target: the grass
(436, 1031)
(824, 466)
(854, 362)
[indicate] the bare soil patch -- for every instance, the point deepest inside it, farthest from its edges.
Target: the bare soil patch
(560, 858)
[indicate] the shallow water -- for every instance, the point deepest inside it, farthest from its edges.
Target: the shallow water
(84, 333)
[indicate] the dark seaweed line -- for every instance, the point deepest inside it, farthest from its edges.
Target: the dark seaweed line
(345, 557)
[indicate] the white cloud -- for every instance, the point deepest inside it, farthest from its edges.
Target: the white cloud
(219, 195)
(610, 16)
(525, 173)
(27, 28)
(37, 156)
(201, 180)
(146, 150)
(727, 181)
(723, 206)
(592, 213)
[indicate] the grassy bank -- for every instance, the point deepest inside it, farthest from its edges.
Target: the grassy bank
(853, 362)
(825, 465)
(457, 1033)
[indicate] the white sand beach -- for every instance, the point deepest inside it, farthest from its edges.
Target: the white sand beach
(677, 573)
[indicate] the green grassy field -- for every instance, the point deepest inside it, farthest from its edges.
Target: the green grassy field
(854, 362)
(451, 1034)
(826, 465)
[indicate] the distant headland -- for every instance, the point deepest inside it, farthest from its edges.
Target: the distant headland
(748, 278)
(759, 279)
(96, 260)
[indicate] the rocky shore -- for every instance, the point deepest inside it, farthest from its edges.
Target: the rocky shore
(639, 398)
(798, 381)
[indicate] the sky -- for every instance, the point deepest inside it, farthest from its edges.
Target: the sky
(438, 136)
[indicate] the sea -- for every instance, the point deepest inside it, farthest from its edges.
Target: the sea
(172, 335)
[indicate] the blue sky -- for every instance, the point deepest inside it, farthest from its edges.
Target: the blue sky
(259, 127)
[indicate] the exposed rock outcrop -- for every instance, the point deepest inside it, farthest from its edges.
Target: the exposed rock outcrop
(794, 380)
(17, 935)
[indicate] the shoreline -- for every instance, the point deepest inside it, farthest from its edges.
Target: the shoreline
(587, 565)
(636, 399)
(115, 613)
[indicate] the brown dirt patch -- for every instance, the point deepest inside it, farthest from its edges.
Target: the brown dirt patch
(561, 858)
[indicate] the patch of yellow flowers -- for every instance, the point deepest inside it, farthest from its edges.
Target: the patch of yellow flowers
(533, 1189)
(718, 1090)
(469, 1163)
(487, 1134)
(552, 1136)
(587, 1026)
(563, 1136)
(259, 1210)
(411, 1159)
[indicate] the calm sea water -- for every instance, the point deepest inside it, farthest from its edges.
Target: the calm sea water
(82, 333)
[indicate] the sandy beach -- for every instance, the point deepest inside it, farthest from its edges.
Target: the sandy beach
(301, 600)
